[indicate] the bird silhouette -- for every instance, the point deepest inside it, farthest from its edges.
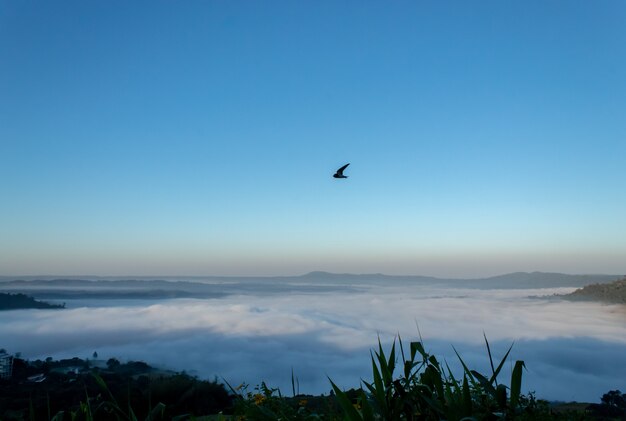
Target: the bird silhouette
(339, 173)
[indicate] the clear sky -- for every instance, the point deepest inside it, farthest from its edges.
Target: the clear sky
(200, 137)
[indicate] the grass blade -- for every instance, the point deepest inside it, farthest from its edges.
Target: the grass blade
(493, 371)
(468, 372)
(497, 371)
(351, 413)
(159, 409)
(418, 347)
(486, 384)
(467, 396)
(516, 383)
(379, 388)
(366, 408)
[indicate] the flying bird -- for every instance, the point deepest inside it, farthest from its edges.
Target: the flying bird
(339, 173)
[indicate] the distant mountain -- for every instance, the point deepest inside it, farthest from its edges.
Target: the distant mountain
(516, 280)
(343, 277)
(120, 294)
(613, 292)
(214, 286)
(59, 289)
(132, 284)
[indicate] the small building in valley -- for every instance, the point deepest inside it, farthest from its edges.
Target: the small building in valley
(6, 364)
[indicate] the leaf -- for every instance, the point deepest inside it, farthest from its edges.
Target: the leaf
(516, 383)
(497, 371)
(434, 377)
(351, 413)
(366, 408)
(59, 416)
(434, 404)
(384, 367)
(468, 372)
(433, 361)
(501, 396)
(379, 388)
(293, 384)
(450, 373)
(235, 390)
(486, 384)
(418, 347)
(158, 409)
(467, 397)
(182, 417)
(391, 364)
(490, 358)
(104, 387)
(87, 407)
(402, 352)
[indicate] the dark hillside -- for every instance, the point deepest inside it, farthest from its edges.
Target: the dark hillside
(613, 292)
(40, 389)
(19, 301)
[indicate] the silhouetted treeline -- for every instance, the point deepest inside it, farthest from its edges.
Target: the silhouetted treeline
(613, 406)
(17, 301)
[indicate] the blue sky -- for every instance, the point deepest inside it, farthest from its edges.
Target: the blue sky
(199, 137)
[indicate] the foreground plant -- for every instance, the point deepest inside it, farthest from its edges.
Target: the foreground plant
(427, 390)
(265, 403)
(106, 407)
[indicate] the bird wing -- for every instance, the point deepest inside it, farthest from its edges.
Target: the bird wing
(340, 170)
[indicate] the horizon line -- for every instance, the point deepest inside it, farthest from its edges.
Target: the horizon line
(321, 272)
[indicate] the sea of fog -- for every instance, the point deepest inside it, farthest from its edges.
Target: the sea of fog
(572, 350)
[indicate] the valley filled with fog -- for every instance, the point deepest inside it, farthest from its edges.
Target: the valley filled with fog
(253, 331)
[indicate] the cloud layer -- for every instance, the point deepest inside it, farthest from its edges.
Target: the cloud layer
(573, 350)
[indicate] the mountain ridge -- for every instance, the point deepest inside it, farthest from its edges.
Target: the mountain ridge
(510, 280)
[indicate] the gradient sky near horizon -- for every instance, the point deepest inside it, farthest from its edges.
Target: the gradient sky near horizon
(199, 137)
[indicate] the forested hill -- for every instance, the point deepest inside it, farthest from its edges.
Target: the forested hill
(613, 292)
(19, 301)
